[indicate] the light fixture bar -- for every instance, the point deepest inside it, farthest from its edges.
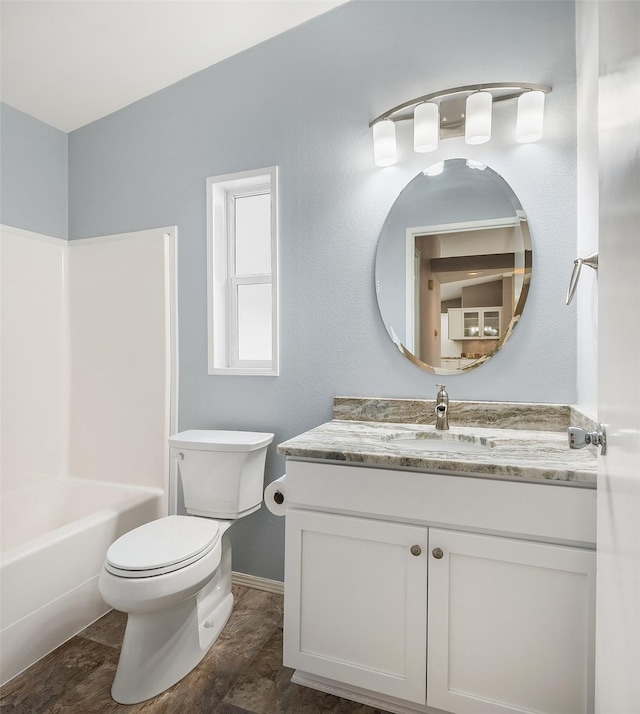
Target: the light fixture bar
(517, 87)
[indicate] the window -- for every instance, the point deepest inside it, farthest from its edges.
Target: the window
(242, 273)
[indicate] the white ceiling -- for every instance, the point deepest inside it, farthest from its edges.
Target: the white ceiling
(69, 62)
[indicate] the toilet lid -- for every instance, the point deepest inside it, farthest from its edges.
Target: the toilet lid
(162, 546)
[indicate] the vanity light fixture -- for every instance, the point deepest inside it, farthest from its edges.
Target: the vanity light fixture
(460, 111)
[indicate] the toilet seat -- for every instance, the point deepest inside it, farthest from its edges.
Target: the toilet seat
(162, 546)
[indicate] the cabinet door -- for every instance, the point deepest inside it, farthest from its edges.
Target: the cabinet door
(455, 323)
(355, 602)
(491, 323)
(510, 626)
(471, 323)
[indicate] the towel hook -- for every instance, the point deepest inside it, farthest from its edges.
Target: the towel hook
(591, 261)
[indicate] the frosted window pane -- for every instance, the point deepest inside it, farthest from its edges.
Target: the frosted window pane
(254, 322)
(253, 234)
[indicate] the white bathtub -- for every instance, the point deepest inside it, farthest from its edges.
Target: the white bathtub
(54, 539)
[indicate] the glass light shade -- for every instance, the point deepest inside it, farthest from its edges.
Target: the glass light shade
(426, 127)
(530, 117)
(384, 143)
(477, 128)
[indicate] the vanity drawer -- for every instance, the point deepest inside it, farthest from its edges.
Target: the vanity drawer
(545, 512)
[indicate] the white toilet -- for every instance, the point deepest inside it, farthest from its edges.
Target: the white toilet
(173, 576)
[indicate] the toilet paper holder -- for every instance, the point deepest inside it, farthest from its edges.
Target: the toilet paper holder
(275, 496)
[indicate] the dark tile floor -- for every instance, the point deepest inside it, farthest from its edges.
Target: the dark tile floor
(241, 673)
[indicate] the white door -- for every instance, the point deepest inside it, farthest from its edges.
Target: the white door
(618, 584)
(511, 625)
(356, 602)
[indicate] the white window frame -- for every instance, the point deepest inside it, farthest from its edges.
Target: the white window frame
(222, 282)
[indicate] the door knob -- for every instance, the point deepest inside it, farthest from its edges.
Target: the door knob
(437, 553)
(416, 550)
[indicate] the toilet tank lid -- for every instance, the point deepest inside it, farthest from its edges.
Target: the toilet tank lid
(217, 440)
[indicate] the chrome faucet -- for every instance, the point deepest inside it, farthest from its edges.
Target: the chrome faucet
(442, 409)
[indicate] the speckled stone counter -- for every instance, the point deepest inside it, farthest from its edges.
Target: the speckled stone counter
(527, 454)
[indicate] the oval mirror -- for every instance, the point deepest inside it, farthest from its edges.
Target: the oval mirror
(453, 266)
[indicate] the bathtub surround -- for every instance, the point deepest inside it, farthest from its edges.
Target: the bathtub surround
(88, 401)
(88, 357)
(34, 364)
(123, 333)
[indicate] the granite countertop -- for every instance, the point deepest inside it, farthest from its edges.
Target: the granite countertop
(518, 454)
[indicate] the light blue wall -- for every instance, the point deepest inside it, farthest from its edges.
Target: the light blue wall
(33, 174)
(303, 101)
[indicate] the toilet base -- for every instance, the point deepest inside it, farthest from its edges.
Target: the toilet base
(163, 646)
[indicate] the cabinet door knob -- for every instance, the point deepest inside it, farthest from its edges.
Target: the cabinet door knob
(416, 550)
(437, 553)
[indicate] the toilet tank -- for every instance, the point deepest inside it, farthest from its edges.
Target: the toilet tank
(222, 472)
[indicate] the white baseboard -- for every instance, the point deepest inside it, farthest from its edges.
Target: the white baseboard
(253, 581)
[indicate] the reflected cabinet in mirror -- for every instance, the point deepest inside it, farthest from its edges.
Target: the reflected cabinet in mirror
(453, 266)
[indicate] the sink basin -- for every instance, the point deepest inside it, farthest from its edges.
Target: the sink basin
(449, 445)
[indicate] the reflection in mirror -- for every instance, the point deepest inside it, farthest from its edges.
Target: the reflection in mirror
(453, 266)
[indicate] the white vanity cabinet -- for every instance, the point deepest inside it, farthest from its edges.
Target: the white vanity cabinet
(355, 602)
(510, 625)
(426, 592)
